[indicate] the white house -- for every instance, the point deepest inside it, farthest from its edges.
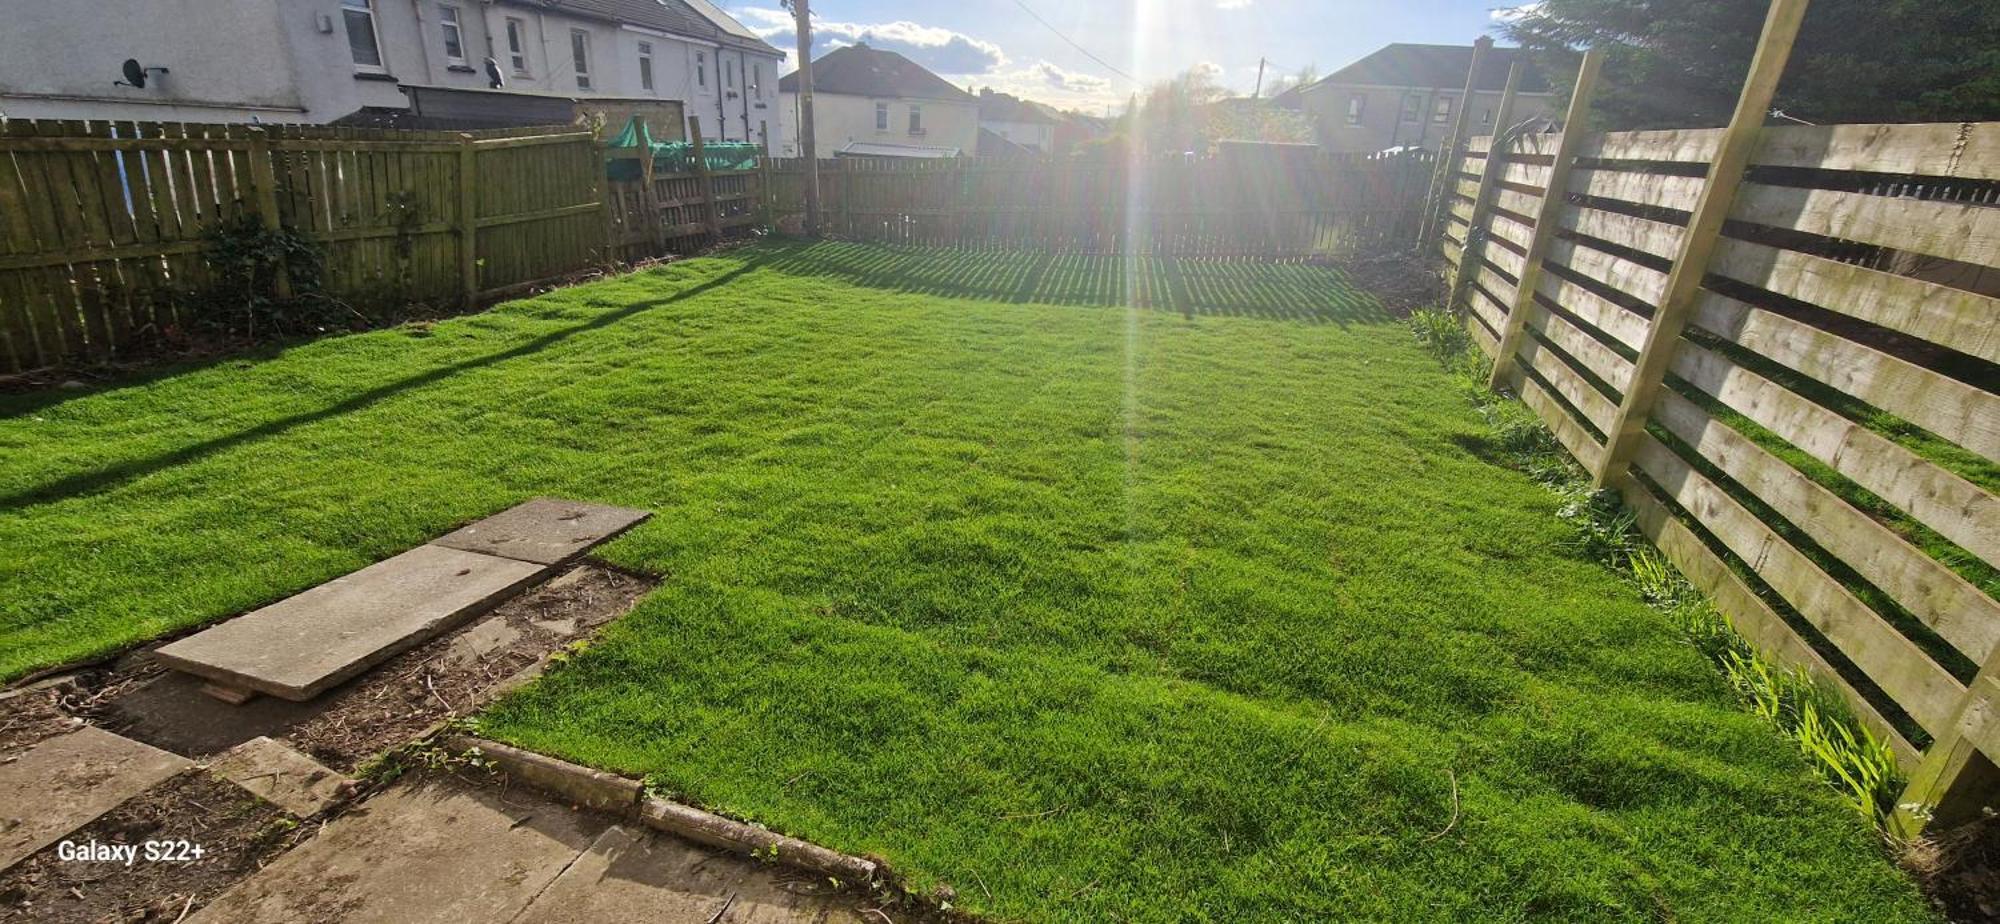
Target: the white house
(324, 60)
(873, 103)
(1028, 124)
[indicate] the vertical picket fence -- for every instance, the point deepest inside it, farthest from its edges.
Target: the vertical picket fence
(1251, 206)
(105, 226)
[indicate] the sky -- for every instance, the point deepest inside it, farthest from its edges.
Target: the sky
(998, 44)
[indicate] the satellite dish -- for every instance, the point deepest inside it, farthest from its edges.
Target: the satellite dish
(493, 78)
(135, 74)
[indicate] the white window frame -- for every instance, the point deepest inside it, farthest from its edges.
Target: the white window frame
(729, 75)
(881, 117)
(757, 71)
(579, 56)
(1413, 108)
(646, 66)
(916, 119)
(1356, 106)
(1441, 109)
(701, 69)
(365, 8)
(517, 45)
(451, 31)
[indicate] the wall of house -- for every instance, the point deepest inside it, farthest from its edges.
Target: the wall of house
(840, 120)
(1383, 123)
(1038, 135)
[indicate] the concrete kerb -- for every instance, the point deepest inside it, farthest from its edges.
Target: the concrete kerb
(610, 792)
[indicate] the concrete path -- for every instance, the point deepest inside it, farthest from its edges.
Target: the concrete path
(444, 851)
(66, 782)
(299, 647)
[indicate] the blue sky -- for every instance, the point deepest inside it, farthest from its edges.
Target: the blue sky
(994, 43)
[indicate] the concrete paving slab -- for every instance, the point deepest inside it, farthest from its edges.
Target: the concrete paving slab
(476, 643)
(637, 875)
(545, 531)
(64, 783)
(282, 776)
(431, 852)
(300, 646)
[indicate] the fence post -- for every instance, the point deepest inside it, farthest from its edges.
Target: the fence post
(1553, 195)
(649, 195)
(266, 180)
(1955, 781)
(468, 221)
(1439, 201)
(1725, 173)
(1489, 181)
(706, 182)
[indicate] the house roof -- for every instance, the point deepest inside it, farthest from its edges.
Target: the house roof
(992, 145)
(1403, 64)
(883, 149)
(692, 18)
(858, 70)
(1006, 107)
(734, 33)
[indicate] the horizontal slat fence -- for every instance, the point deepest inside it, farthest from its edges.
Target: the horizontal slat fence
(105, 226)
(1821, 459)
(1226, 206)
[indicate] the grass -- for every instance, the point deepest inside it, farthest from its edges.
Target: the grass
(1215, 609)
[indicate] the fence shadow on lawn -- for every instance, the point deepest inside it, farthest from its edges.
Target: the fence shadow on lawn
(1298, 292)
(104, 479)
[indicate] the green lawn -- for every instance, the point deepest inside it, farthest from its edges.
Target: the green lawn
(1204, 610)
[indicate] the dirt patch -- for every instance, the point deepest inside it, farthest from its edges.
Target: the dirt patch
(1960, 869)
(237, 833)
(457, 674)
(28, 717)
(1401, 282)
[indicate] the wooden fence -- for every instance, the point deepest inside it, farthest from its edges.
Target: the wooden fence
(1280, 206)
(105, 227)
(1800, 408)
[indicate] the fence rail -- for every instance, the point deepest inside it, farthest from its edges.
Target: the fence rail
(1820, 458)
(1282, 206)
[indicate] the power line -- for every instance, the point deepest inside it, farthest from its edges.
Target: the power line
(1072, 42)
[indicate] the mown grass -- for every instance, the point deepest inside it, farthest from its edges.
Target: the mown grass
(1209, 610)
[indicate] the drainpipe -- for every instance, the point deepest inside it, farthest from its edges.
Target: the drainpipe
(424, 44)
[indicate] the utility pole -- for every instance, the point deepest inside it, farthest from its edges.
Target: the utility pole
(1259, 92)
(802, 16)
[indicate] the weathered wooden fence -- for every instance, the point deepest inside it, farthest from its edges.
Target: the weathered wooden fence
(1780, 345)
(663, 212)
(105, 226)
(1245, 205)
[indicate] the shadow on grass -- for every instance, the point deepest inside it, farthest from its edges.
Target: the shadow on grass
(104, 479)
(1190, 286)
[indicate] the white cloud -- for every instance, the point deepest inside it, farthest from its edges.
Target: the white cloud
(940, 49)
(1231, 4)
(1510, 13)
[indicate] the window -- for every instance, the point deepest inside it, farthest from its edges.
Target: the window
(916, 119)
(1354, 105)
(1486, 116)
(1411, 107)
(729, 78)
(361, 41)
(646, 66)
(701, 69)
(579, 53)
(881, 117)
(757, 85)
(517, 44)
(454, 38)
(1441, 110)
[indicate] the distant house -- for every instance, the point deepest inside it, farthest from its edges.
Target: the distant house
(874, 103)
(1405, 95)
(390, 62)
(1026, 124)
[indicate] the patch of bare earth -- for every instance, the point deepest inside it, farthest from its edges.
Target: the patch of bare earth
(457, 674)
(1960, 869)
(237, 832)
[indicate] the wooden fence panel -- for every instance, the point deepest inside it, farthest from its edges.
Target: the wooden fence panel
(105, 227)
(1820, 465)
